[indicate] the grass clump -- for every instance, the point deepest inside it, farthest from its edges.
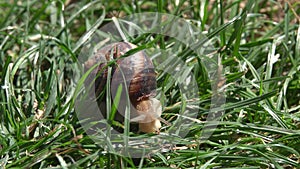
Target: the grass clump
(258, 43)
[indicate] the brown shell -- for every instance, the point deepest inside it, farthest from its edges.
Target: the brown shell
(135, 71)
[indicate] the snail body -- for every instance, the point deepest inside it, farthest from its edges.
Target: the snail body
(137, 77)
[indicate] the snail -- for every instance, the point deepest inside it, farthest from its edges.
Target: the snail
(136, 74)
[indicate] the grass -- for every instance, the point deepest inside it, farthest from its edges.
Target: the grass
(259, 46)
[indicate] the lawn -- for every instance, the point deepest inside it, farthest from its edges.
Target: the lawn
(227, 74)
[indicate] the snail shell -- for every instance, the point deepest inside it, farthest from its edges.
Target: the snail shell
(136, 73)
